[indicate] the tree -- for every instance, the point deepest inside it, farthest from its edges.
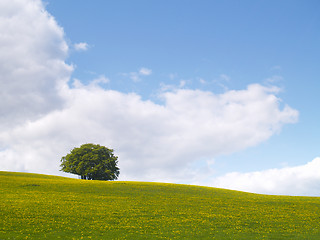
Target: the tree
(92, 162)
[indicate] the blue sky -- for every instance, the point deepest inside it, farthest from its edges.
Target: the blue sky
(247, 41)
(228, 89)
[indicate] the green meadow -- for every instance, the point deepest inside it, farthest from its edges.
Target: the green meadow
(35, 206)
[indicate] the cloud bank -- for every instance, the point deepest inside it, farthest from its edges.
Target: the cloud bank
(32, 67)
(300, 180)
(43, 118)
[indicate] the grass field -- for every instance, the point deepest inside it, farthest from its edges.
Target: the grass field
(37, 206)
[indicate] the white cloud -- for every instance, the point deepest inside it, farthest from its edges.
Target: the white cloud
(42, 118)
(222, 80)
(145, 71)
(171, 87)
(202, 81)
(225, 77)
(97, 82)
(274, 79)
(100, 80)
(173, 76)
(154, 142)
(81, 46)
(182, 83)
(136, 76)
(32, 67)
(300, 180)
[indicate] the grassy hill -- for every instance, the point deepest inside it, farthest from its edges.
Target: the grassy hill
(37, 206)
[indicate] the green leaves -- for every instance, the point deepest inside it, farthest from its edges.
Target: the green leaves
(92, 162)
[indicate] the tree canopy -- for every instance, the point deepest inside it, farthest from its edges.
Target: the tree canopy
(92, 162)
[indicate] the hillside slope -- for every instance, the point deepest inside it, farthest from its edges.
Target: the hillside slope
(47, 207)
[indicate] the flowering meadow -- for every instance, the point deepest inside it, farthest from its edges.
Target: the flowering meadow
(35, 206)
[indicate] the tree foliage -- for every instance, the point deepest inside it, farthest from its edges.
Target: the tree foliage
(92, 162)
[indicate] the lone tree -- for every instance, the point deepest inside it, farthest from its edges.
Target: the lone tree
(92, 162)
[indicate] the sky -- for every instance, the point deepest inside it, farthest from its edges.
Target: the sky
(212, 93)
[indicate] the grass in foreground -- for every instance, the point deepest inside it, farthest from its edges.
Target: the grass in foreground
(36, 206)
